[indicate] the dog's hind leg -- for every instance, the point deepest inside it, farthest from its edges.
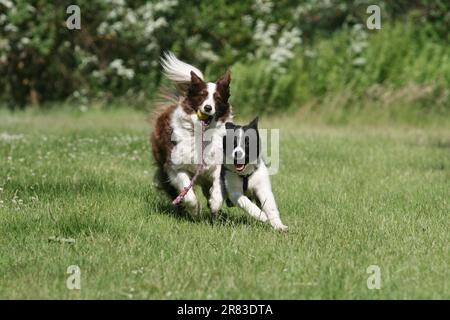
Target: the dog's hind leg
(157, 179)
(161, 181)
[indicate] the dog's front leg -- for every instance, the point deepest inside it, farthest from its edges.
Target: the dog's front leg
(180, 180)
(234, 185)
(269, 206)
(260, 183)
(216, 192)
(245, 203)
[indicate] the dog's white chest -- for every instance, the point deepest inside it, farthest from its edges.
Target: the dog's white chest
(189, 151)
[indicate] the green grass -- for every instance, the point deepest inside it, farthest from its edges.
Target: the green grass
(353, 196)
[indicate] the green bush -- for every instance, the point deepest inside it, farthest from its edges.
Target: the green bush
(403, 64)
(283, 53)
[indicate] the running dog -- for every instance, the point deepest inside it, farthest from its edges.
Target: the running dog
(200, 105)
(245, 176)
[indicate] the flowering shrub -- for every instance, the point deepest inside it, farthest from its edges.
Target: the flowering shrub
(115, 54)
(115, 51)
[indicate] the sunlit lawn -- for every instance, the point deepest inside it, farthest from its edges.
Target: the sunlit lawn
(352, 196)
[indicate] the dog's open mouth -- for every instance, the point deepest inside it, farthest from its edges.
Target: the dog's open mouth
(208, 120)
(205, 118)
(239, 167)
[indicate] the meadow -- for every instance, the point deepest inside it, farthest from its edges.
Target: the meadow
(76, 189)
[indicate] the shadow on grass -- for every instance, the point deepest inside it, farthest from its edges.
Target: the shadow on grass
(442, 144)
(158, 203)
(54, 188)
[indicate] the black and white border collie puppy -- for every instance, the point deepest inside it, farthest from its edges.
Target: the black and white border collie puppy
(176, 138)
(245, 176)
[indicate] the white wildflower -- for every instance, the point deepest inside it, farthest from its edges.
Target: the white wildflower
(11, 28)
(4, 45)
(3, 18)
(25, 41)
(165, 5)
(102, 28)
(130, 17)
(7, 3)
(247, 20)
(264, 34)
(263, 6)
(283, 52)
(6, 137)
(118, 66)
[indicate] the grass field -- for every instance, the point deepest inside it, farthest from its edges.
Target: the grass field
(352, 196)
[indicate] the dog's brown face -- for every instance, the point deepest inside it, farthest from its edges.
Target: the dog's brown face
(208, 100)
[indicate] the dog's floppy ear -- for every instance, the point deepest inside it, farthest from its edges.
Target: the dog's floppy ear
(229, 125)
(223, 86)
(254, 123)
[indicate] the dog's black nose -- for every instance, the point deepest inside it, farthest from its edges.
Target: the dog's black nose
(208, 108)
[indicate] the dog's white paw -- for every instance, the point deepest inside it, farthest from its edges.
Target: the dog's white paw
(279, 226)
(216, 200)
(215, 205)
(192, 207)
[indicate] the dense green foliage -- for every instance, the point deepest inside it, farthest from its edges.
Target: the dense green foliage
(351, 196)
(398, 67)
(284, 53)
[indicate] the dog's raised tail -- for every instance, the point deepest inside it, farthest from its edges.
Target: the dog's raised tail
(177, 70)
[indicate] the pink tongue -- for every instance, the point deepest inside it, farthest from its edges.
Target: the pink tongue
(239, 166)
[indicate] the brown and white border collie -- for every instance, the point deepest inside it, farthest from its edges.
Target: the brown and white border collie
(176, 139)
